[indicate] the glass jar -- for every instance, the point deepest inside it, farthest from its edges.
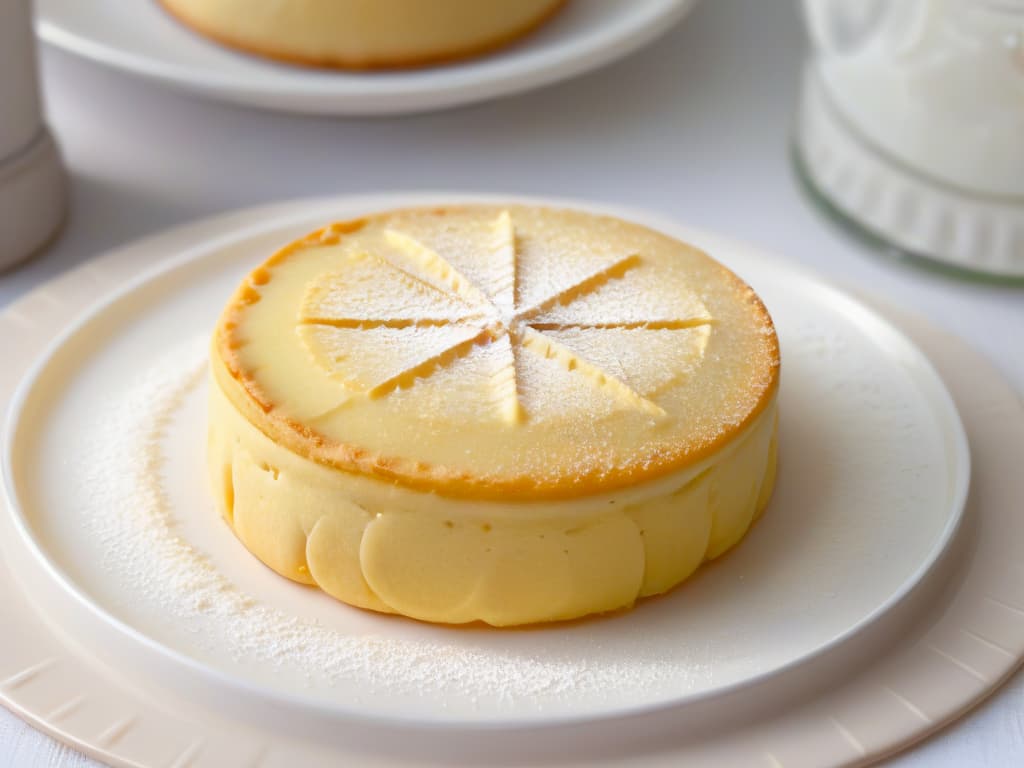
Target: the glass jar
(913, 124)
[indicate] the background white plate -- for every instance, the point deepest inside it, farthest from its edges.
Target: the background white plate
(138, 37)
(872, 480)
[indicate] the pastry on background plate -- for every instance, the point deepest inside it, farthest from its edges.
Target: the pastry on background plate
(364, 34)
(505, 414)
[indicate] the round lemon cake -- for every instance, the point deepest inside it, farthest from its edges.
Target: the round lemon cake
(364, 34)
(505, 414)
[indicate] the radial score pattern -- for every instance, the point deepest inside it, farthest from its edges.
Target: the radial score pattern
(382, 323)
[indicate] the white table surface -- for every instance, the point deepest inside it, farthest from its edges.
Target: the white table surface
(696, 126)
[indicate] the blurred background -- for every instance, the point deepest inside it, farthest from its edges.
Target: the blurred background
(697, 126)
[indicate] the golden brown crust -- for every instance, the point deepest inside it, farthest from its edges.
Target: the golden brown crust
(243, 390)
(367, 64)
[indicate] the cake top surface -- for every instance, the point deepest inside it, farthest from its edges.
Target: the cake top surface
(488, 350)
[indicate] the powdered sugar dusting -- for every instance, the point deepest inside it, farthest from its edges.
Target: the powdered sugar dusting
(128, 510)
(377, 325)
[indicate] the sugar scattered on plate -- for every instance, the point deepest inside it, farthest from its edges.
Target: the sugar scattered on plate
(126, 507)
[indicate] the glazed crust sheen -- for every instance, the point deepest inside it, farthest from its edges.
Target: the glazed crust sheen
(243, 390)
(363, 62)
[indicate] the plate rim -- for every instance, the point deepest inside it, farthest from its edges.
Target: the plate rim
(385, 93)
(961, 469)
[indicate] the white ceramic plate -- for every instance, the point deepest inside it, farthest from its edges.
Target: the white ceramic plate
(138, 37)
(873, 477)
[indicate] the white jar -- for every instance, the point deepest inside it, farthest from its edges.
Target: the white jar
(32, 185)
(913, 123)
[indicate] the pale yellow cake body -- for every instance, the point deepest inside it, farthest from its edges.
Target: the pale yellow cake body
(498, 414)
(374, 545)
(364, 33)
